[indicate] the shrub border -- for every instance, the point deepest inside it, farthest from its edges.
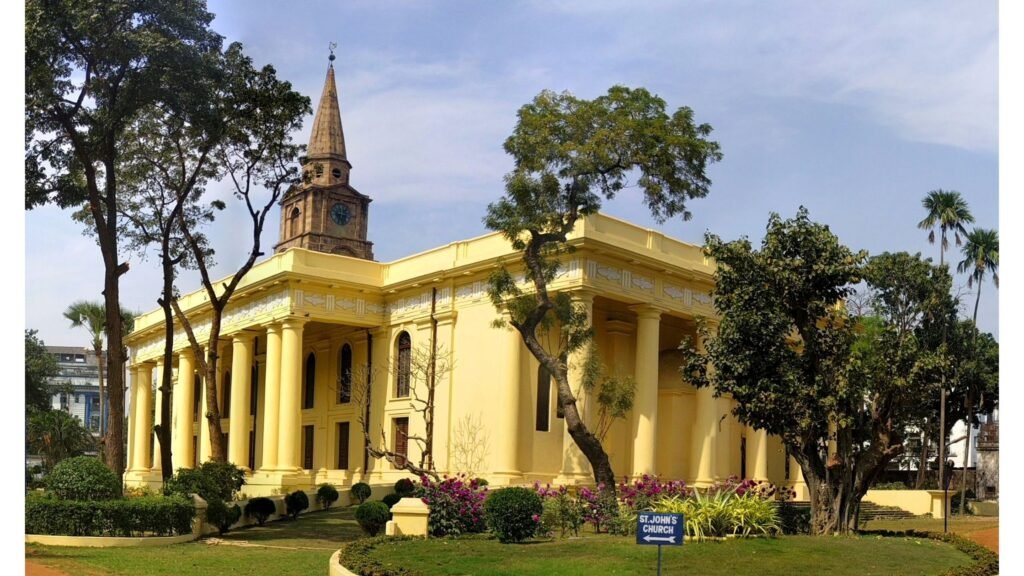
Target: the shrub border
(986, 562)
(108, 541)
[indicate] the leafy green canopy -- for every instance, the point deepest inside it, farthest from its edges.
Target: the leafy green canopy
(40, 367)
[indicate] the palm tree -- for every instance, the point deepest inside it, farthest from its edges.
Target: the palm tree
(948, 210)
(981, 256)
(93, 316)
(56, 435)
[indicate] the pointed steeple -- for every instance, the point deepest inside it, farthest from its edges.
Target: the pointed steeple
(327, 140)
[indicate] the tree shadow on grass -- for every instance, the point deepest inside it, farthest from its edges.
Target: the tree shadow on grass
(326, 529)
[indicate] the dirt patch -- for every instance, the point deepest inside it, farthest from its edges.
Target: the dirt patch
(37, 569)
(988, 538)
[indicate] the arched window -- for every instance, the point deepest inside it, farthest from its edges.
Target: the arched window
(293, 221)
(404, 368)
(309, 390)
(345, 374)
(543, 399)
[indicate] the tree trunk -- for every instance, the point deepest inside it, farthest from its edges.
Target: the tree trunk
(970, 408)
(922, 467)
(218, 450)
(114, 447)
(98, 350)
(166, 394)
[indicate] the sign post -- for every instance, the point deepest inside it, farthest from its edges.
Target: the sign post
(657, 528)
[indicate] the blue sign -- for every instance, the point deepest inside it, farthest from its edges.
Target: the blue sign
(656, 528)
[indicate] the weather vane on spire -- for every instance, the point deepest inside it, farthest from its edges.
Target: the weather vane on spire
(331, 46)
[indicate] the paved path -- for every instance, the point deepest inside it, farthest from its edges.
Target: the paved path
(988, 538)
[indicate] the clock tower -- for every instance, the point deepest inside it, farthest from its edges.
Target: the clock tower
(325, 213)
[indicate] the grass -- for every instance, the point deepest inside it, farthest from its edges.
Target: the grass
(957, 524)
(854, 556)
(284, 548)
(304, 546)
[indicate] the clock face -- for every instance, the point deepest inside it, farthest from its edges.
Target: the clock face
(340, 214)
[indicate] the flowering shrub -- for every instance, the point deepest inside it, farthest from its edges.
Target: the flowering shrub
(562, 511)
(643, 492)
(598, 509)
(456, 505)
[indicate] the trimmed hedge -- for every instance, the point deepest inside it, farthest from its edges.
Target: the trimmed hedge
(372, 517)
(404, 487)
(356, 557)
(360, 492)
(326, 495)
(221, 515)
(513, 513)
(211, 481)
(260, 508)
(391, 499)
(83, 478)
(986, 562)
(145, 516)
(296, 502)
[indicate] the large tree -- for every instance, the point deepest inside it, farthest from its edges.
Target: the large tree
(90, 68)
(257, 157)
(40, 368)
(570, 154)
(949, 211)
(981, 258)
(838, 389)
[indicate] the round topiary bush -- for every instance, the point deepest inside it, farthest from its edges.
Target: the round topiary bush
(513, 513)
(326, 495)
(391, 499)
(404, 487)
(360, 492)
(221, 515)
(83, 478)
(296, 502)
(372, 517)
(260, 508)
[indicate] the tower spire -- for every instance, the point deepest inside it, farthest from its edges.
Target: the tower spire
(327, 140)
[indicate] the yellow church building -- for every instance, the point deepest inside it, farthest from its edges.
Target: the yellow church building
(320, 320)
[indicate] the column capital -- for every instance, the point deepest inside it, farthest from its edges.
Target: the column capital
(648, 311)
(293, 322)
(273, 327)
(583, 295)
(242, 336)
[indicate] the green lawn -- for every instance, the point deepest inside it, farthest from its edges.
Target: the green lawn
(958, 524)
(303, 547)
(285, 548)
(854, 556)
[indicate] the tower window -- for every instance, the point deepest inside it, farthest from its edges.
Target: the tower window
(404, 367)
(336, 173)
(293, 222)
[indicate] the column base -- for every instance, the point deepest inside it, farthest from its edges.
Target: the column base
(506, 478)
(143, 479)
(573, 479)
(273, 482)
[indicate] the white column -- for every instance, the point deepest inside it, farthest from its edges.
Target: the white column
(290, 419)
(158, 415)
(508, 441)
(272, 398)
(142, 383)
(241, 376)
(184, 397)
(645, 405)
(575, 466)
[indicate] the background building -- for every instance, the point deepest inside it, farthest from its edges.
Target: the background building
(76, 389)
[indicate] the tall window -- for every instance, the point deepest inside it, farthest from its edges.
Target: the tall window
(309, 392)
(743, 457)
(543, 399)
(307, 447)
(252, 449)
(787, 463)
(401, 440)
(226, 410)
(254, 387)
(293, 221)
(343, 445)
(345, 374)
(404, 365)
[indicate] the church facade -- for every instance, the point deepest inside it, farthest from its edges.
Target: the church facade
(319, 343)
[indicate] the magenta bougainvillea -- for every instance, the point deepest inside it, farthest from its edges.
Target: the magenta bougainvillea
(456, 505)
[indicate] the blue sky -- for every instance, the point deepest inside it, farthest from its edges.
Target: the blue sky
(854, 110)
